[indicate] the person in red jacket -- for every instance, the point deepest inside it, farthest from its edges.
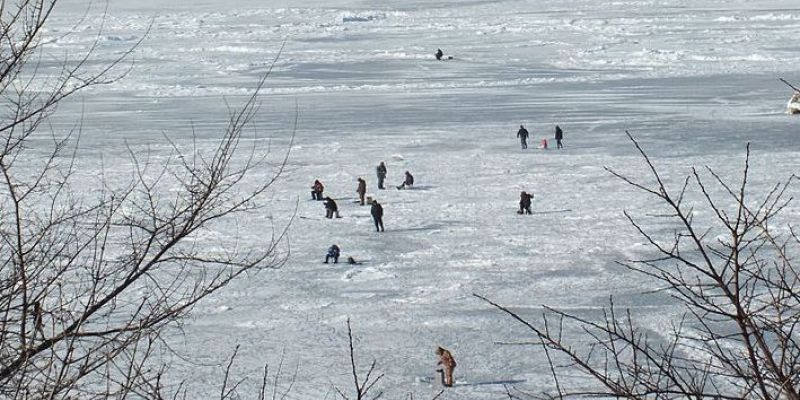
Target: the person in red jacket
(316, 190)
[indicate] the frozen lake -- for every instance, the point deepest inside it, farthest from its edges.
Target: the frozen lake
(694, 81)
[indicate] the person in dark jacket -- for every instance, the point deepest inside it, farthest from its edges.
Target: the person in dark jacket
(407, 182)
(331, 208)
(377, 215)
(381, 170)
(439, 54)
(522, 134)
(559, 136)
(361, 190)
(316, 190)
(525, 203)
(333, 252)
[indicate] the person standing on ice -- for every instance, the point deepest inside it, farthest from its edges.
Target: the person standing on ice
(331, 208)
(522, 134)
(525, 203)
(559, 136)
(381, 170)
(448, 364)
(377, 215)
(333, 252)
(361, 190)
(407, 182)
(439, 54)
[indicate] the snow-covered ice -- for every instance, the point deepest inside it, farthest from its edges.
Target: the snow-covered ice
(694, 81)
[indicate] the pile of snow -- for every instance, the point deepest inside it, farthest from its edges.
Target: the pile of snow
(362, 16)
(793, 107)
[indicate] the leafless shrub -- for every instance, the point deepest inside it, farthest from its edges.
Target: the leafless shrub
(360, 387)
(90, 277)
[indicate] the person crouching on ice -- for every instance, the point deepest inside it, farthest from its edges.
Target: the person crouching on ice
(333, 252)
(525, 203)
(331, 208)
(448, 364)
(316, 190)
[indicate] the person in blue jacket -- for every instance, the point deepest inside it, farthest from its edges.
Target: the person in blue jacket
(333, 252)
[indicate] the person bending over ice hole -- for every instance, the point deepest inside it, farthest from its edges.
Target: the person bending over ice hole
(316, 190)
(377, 215)
(407, 182)
(525, 203)
(439, 54)
(448, 364)
(381, 171)
(331, 208)
(333, 252)
(361, 190)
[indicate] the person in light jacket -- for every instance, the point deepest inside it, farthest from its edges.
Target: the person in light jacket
(448, 364)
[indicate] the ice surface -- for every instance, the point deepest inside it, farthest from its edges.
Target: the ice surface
(693, 80)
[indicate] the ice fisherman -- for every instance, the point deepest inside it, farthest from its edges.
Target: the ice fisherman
(448, 364)
(316, 190)
(377, 215)
(559, 136)
(522, 134)
(525, 203)
(793, 107)
(333, 252)
(408, 181)
(361, 190)
(381, 171)
(439, 54)
(331, 208)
